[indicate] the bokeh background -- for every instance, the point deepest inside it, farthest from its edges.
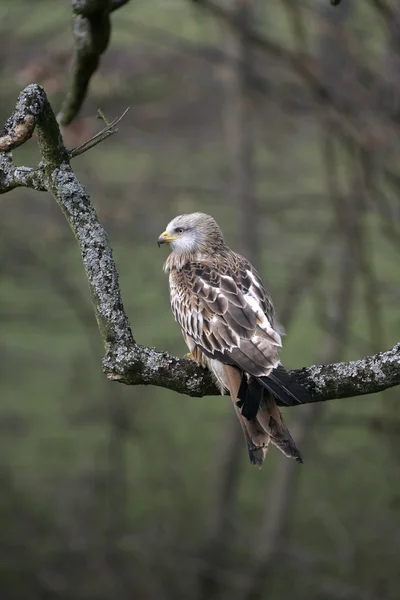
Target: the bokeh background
(292, 143)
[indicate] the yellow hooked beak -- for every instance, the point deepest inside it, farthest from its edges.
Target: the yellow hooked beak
(165, 238)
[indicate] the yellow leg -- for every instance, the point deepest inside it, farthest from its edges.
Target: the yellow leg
(190, 356)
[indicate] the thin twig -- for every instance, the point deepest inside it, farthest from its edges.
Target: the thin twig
(109, 130)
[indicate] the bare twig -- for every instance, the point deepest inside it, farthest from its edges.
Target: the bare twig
(109, 130)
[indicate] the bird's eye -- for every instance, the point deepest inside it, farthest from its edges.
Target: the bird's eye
(179, 230)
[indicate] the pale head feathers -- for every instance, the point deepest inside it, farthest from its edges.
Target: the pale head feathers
(195, 235)
(195, 232)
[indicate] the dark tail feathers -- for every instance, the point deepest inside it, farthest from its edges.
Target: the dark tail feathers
(250, 395)
(279, 383)
(284, 387)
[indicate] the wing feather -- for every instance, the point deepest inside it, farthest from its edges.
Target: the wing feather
(222, 306)
(245, 317)
(243, 332)
(219, 306)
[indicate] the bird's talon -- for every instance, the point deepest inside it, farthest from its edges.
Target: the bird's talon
(189, 355)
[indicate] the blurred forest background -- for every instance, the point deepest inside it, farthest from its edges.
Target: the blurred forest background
(290, 139)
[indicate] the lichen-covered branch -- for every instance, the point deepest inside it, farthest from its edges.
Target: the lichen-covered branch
(12, 176)
(324, 382)
(57, 177)
(92, 29)
(126, 361)
(30, 111)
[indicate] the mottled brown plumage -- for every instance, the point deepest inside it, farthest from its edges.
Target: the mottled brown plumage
(228, 322)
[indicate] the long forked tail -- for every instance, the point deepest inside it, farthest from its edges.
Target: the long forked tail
(266, 425)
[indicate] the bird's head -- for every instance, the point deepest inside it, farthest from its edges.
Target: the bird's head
(191, 234)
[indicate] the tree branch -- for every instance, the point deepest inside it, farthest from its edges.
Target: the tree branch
(12, 176)
(92, 30)
(126, 361)
(146, 366)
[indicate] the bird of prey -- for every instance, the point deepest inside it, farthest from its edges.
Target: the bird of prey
(228, 323)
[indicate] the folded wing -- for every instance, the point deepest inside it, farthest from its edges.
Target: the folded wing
(224, 308)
